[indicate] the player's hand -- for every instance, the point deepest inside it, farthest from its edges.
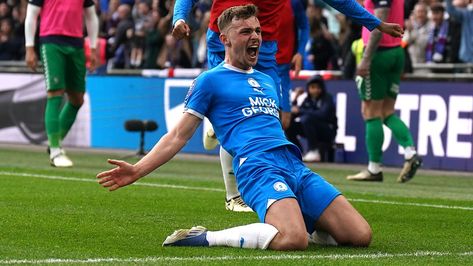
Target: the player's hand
(93, 59)
(297, 64)
(122, 175)
(30, 58)
(181, 30)
(392, 29)
(363, 69)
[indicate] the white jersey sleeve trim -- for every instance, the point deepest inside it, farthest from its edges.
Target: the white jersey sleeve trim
(193, 112)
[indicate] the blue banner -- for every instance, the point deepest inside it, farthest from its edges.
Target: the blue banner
(439, 115)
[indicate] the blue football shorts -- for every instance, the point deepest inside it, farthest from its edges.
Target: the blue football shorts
(279, 173)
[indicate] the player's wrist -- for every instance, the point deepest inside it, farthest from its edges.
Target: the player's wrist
(381, 26)
(179, 22)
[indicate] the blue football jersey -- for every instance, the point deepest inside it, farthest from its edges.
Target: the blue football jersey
(242, 106)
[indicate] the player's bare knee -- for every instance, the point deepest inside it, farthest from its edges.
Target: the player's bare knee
(293, 240)
(363, 237)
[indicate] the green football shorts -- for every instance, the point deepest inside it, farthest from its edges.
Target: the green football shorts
(385, 75)
(64, 67)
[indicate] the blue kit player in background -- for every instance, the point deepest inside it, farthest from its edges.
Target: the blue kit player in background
(270, 15)
(293, 37)
(243, 106)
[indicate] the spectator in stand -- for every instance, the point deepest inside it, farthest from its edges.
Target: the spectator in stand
(5, 10)
(110, 19)
(460, 11)
(417, 33)
(352, 32)
(178, 52)
(314, 13)
(141, 16)
(199, 42)
(321, 48)
(439, 43)
(10, 45)
(103, 5)
(18, 15)
(128, 2)
(155, 33)
(165, 11)
(121, 42)
(314, 118)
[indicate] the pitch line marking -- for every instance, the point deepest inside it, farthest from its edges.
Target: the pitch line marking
(230, 258)
(64, 178)
(414, 204)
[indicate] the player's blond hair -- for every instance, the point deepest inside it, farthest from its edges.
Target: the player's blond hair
(236, 12)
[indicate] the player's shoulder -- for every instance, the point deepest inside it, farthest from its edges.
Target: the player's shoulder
(214, 74)
(207, 74)
(268, 80)
(260, 73)
(208, 78)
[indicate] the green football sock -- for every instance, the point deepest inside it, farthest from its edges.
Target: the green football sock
(51, 120)
(374, 139)
(66, 118)
(400, 131)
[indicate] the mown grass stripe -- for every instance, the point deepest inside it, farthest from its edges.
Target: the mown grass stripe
(64, 178)
(232, 258)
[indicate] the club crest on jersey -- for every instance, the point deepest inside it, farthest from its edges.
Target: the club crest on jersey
(280, 186)
(255, 85)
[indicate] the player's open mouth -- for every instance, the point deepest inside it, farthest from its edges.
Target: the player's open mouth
(252, 50)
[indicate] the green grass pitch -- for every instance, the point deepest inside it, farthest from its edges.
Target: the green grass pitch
(63, 217)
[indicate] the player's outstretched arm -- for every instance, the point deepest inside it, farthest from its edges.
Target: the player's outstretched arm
(392, 29)
(359, 14)
(122, 175)
(125, 174)
(32, 13)
(182, 9)
(181, 30)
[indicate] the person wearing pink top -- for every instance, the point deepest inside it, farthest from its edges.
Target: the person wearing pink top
(62, 53)
(378, 77)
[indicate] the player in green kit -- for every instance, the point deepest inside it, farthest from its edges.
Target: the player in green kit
(378, 78)
(62, 54)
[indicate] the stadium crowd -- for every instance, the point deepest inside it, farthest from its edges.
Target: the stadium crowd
(136, 34)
